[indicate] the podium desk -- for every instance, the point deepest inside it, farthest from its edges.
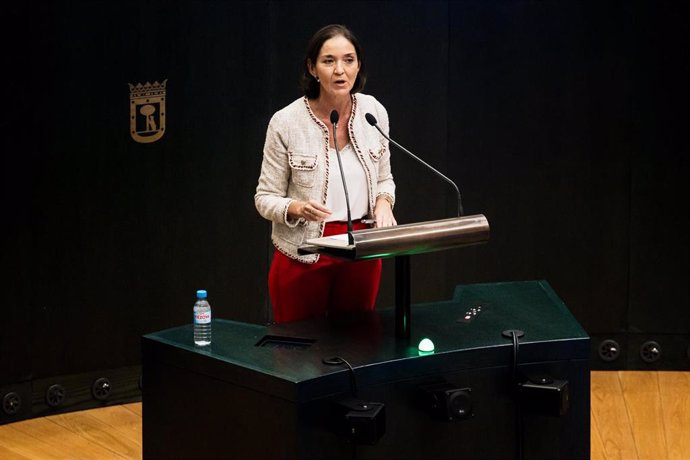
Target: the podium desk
(265, 392)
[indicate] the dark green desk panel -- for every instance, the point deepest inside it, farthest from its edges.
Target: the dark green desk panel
(273, 402)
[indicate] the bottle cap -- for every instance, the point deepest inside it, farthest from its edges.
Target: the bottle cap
(201, 294)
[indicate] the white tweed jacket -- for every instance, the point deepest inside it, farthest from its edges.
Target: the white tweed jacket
(295, 167)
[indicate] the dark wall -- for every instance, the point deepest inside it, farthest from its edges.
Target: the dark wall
(561, 121)
(114, 236)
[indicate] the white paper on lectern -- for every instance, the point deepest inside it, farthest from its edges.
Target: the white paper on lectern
(333, 241)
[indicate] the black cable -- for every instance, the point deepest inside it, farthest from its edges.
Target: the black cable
(519, 422)
(515, 335)
(516, 347)
(337, 361)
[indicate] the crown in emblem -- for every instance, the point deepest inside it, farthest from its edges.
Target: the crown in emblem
(147, 89)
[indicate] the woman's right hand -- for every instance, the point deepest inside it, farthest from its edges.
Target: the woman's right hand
(311, 210)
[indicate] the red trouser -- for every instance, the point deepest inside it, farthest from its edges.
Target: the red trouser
(300, 291)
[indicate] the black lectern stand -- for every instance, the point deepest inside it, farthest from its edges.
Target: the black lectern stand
(400, 242)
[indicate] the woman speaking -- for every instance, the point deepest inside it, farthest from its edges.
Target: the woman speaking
(301, 191)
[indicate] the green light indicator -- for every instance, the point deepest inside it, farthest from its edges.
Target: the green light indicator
(426, 347)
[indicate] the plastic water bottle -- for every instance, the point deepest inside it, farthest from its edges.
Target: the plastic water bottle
(202, 319)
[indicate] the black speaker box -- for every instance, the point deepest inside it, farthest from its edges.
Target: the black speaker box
(545, 396)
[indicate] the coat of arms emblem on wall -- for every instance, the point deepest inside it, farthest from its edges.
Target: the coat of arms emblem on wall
(147, 111)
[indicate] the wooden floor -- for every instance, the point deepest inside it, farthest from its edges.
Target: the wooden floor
(107, 433)
(635, 415)
(640, 415)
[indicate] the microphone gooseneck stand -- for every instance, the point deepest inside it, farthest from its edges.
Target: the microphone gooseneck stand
(372, 121)
(334, 121)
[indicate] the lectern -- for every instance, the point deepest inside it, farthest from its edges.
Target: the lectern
(401, 242)
(272, 392)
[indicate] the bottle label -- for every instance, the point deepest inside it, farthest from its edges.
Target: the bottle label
(202, 317)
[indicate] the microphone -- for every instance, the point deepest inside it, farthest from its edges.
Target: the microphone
(372, 121)
(334, 121)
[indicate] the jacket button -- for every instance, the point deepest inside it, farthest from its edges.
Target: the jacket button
(303, 162)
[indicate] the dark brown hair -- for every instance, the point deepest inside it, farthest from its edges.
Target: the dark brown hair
(308, 83)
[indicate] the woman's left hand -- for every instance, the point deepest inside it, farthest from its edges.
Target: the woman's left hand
(383, 213)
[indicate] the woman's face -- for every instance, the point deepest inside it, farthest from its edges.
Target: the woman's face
(336, 67)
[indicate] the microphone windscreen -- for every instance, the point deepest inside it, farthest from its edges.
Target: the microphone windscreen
(370, 118)
(334, 117)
